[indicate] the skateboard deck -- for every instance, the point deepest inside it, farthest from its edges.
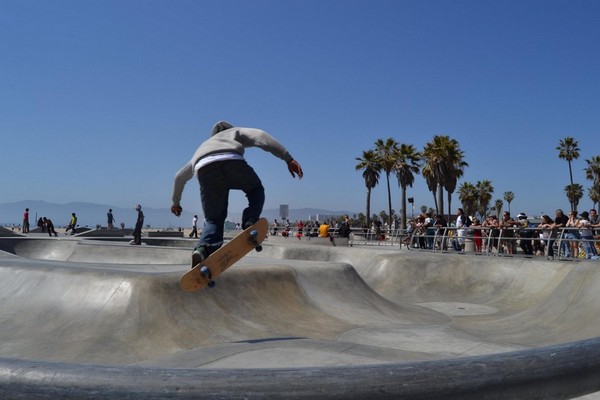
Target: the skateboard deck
(207, 271)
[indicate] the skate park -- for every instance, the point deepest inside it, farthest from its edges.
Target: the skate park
(92, 318)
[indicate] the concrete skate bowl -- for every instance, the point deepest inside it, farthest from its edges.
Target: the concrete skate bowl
(87, 319)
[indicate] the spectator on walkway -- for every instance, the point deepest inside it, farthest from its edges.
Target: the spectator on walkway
(525, 234)
(587, 236)
(440, 224)
(462, 222)
(572, 235)
(549, 232)
(507, 224)
(493, 232)
(478, 242)
(111, 219)
(344, 230)
(324, 230)
(139, 223)
(25, 226)
(194, 232)
(299, 227)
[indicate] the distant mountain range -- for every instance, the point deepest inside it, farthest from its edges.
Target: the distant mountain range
(90, 214)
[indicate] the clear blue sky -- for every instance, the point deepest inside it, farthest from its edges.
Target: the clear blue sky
(103, 101)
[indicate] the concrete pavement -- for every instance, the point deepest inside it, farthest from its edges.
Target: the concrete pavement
(350, 314)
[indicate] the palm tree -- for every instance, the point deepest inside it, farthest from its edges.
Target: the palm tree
(431, 180)
(387, 153)
(407, 164)
(443, 167)
(568, 150)
(592, 172)
(509, 197)
(434, 154)
(455, 172)
(468, 196)
(369, 163)
(574, 194)
(484, 191)
(594, 195)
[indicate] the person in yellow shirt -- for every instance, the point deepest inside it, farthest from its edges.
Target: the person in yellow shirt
(324, 230)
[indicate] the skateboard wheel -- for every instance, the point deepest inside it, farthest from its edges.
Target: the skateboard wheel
(212, 284)
(258, 248)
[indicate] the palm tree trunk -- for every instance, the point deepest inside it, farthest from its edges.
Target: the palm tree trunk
(571, 176)
(368, 208)
(440, 195)
(389, 199)
(403, 215)
(449, 207)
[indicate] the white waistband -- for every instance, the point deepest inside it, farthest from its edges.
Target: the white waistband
(216, 157)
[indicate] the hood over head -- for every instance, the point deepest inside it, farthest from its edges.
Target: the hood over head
(220, 127)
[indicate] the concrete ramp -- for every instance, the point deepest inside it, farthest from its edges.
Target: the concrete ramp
(93, 319)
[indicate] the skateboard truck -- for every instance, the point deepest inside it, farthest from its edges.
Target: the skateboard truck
(205, 272)
(252, 240)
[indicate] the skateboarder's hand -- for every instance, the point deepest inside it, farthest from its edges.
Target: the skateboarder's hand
(295, 168)
(176, 210)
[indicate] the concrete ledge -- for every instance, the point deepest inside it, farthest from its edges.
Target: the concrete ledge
(8, 233)
(105, 233)
(557, 372)
(178, 234)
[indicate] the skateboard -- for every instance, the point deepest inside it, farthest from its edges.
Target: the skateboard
(204, 274)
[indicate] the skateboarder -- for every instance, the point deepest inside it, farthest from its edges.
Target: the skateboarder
(220, 166)
(72, 224)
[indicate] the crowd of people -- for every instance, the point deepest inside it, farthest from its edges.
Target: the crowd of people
(300, 229)
(575, 232)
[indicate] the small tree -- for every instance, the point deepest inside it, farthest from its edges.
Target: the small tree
(574, 194)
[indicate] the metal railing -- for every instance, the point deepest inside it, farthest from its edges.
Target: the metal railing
(385, 237)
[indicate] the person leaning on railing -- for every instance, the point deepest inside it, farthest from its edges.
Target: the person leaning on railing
(549, 230)
(507, 224)
(525, 234)
(572, 235)
(587, 236)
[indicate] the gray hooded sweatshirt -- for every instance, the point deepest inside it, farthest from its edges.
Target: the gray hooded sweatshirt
(227, 139)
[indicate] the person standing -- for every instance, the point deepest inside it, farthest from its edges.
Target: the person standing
(139, 223)
(220, 167)
(344, 230)
(194, 232)
(25, 227)
(587, 236)
(525, 234)
(111, 219)
(462, 222)
(560, 222)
